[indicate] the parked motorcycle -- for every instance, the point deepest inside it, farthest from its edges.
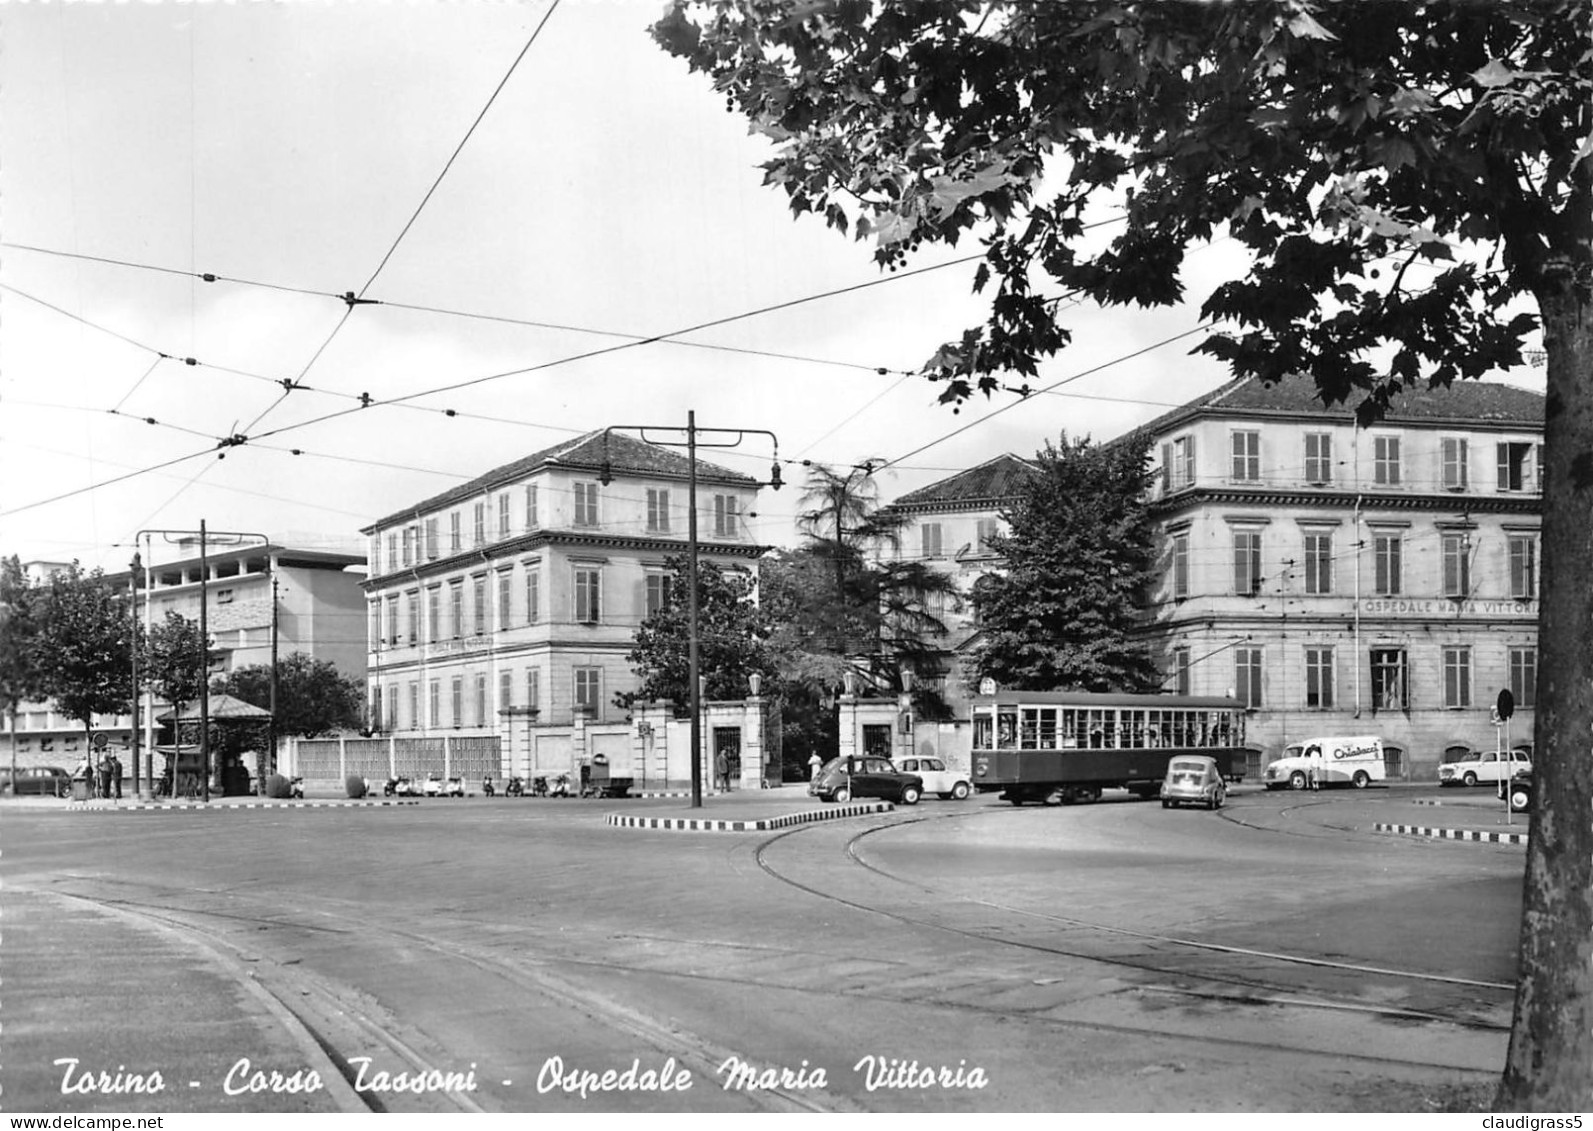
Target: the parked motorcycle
(560, 787)
(453, 787)
(539, 787)
(296, 788)
(487, 789)
(515, 788)
(396, 787)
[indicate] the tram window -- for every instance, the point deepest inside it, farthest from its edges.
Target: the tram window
(1047, 728)
(984, 725)
(1070, 728)
(1031, 727)
(1136, 724)
(1007, 728)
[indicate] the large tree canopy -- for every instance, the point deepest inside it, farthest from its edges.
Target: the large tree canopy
(1079, 555)
(313, 697)
(84, 646)
(1412, 181)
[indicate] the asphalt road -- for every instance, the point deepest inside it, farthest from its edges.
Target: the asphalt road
(950, 957)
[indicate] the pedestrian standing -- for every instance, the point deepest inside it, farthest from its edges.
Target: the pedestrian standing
(105, 775)
(722, 771)
(1312, 774)
(813, 766)
(116, 777)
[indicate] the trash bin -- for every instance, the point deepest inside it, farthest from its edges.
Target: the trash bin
(80, 789)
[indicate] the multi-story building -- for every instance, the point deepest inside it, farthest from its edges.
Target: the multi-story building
(518, 594)
(315, 595)
(950, 526)
(1342, 580)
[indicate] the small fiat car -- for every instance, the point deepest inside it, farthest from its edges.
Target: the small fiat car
(1193, 779)
(843, 779)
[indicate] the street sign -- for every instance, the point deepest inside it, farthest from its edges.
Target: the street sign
(987, 686)
(101, 740)
(1506, 705)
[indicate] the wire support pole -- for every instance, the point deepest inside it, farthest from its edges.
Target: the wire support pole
(731, 438)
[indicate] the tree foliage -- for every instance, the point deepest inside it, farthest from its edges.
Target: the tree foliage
(20, 677)
(313, 696)
(1078, 557)
(1413, 184)
(84, 646)
(731, 630)
(177, 660)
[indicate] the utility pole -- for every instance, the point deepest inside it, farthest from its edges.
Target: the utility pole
(204, 674)
(271, 724)
(606, 476)
(138, 696)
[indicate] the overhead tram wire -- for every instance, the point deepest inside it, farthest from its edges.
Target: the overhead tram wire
(354, 299)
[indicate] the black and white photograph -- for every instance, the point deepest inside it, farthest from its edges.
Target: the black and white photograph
(659, 557)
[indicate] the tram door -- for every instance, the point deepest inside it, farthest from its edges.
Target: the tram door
(877, 739)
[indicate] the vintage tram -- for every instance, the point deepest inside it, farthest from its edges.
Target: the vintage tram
(1057, 747)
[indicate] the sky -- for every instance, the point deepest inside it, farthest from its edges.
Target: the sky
(294, 151)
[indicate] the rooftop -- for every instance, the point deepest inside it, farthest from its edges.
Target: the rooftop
(626, 455)
(993, 481)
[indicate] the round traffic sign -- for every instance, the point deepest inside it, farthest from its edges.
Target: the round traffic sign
(1506, 705)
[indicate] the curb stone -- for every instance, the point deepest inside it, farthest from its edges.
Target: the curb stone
(763, 824)
(1452, 834)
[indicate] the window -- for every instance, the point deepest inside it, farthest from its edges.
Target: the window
(1454, 460)
(1537, 460)
(392, 620)
(533, 592)
(1179, 676)
(1247, 676)
(1178, 464)
(434, 702)
(392, 707)
(505, 691)
(1513, 464)
(1524, 676)
(1390, 687)
(1456, 551)
(479, 528)
(1385, 460)
(531, 522)
(456, 609)
(392, 550)
(458, 700)
(1318, 457)
(431, 539)
(414, 705)
(1318, 563)
(658, 585)
(412, 615)
(533, 689)
(988, 529)
(376, 709)
(1319, 678)
(1523, 567)
(478, 598)
(374, 636)
(585, 504)
(929, 539)
(505, 579)
(725, 510)
(503, 515)
(1457, 677)
(1247, 562)
(455, 543)
(588, 594)
(407, 546)
(1246, 456)
(224, 596)
(434, 614)
(375, 554)
(657, 510)
(588, 690)
(481, 699)
(1386, 567)
(1180, 565)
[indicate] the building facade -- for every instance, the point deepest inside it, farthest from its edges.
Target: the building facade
(314, 597)
(1347, 580)
(514, 599)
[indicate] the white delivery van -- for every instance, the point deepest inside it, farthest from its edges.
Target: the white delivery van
(1356, 759)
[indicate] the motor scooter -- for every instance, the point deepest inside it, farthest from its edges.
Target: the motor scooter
(539, 787)
(396, 787)
(296, 788)
(515, 788)
(560, 787)
(487, 789)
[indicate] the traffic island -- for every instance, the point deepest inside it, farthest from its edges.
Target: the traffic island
(155, 806)
(1432, 833)
(748, 824)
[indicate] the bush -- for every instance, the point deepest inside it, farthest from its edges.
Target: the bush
(279, 787)
(354, 786)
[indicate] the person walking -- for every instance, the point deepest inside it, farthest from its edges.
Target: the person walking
(814, 763)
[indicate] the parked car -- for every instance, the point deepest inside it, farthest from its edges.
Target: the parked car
(36, 781)
(1520, 792)
(843, 779)
(1193, 779)
(938, 778)
(1477, 766)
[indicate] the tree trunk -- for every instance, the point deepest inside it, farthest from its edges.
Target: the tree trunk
(1550, 1063)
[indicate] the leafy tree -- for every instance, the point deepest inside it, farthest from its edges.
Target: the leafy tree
(84, 646)
(1080, 552)
(1411, 182)
(178, 660)
(731, 630)
(313, 697)
(20, 677)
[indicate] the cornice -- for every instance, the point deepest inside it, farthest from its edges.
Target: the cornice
(1192, 498)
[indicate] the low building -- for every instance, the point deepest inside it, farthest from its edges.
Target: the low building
(1347, 580)
(513, 600)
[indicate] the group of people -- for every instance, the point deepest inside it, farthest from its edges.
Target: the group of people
(104, 779)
